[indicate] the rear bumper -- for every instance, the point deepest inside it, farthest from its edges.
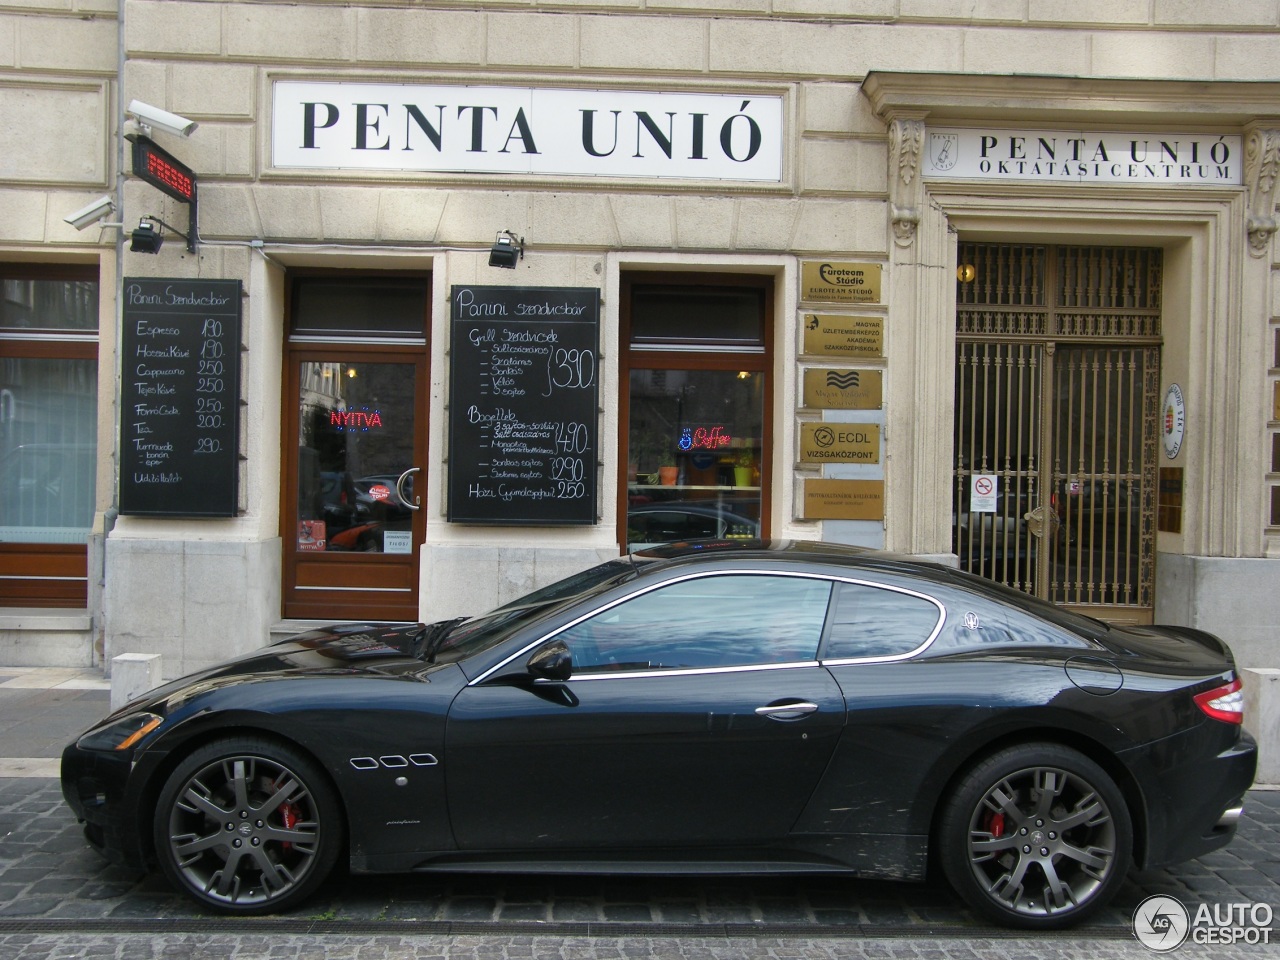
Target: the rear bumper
(1192, 805)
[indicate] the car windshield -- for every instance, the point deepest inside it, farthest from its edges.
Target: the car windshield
(469, 637)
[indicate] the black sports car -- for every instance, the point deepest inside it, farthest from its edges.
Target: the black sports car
(730, 707)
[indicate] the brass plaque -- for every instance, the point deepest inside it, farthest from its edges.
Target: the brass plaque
(1169, 503)
(829, 281)
(832, 335)
(828, 389)
(844, 500)
(839, 443)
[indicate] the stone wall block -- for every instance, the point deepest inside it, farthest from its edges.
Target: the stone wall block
(288, 212)
(758, 48)
(290, 32)
(1243, 57)
(350, 213)
(643, 221)
(410, 214)
(973, 11)
(841, 226)
(8, 40)
(843, 166)
(1027, 51)
(864, 9)
(475, 216)
(1262, 719)
(173, 28)
(531, 40)
(1178, 56)
(705, 222)
(765, 225)
(64, 132)
(838, 108)
(1217, 13)
(1089, 12)
(67, 45)
(570, 219)
(419, 37)
(221, 90)
(651, 44)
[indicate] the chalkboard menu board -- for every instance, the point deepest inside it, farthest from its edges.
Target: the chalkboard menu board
(180, 398)
(522, 407)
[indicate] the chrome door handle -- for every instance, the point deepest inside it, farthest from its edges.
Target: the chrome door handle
(417, 501)
(787, 711)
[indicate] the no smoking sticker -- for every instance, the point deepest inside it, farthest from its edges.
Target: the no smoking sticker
(982, 492)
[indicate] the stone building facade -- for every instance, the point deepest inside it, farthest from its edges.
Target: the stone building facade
(1039, 241)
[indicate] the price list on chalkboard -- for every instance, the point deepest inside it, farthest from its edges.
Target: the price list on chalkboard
(180, 398)
(523, 399)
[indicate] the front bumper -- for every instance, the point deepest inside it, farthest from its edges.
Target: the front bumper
(95, 785)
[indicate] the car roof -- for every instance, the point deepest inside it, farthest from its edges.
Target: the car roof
(782, 551)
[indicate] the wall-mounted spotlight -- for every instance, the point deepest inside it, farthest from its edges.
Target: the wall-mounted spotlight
(154, 118)
(148, 239)
(95, 212)
(506, 250)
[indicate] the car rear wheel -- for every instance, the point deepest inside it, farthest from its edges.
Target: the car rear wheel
(1036, 836)
(247, 826)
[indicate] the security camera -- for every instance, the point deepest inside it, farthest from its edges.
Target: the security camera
(98, 210)
(150, 116)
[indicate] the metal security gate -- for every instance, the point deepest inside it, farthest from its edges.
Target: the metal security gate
(1056, 422)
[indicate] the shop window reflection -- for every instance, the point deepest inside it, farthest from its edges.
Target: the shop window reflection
(695, 453)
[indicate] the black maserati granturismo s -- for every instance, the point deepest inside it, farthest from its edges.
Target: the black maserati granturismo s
(711, 707)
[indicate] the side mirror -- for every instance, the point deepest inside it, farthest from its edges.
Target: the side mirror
(553, 662)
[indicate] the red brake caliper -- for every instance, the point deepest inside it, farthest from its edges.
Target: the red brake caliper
(995, 825)
(289, 815)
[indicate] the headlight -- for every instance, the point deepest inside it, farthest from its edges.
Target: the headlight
(120, 734)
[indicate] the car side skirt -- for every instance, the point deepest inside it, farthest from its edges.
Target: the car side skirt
(868, 856)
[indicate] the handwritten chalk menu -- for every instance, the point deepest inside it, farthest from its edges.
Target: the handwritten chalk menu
(180, 398)
(522, 408)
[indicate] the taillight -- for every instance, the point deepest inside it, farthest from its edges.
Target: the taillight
(1224, 703)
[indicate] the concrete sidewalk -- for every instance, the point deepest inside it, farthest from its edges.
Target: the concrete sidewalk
(41, 710)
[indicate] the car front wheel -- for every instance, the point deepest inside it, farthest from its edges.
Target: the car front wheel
(1036, 836)
(247, 826)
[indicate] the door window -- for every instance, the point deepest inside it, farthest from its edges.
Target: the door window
(723, 621)
(695, 413)
(355, 442)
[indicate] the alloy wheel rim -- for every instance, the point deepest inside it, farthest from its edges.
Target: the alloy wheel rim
(244, 831)
(1042, 842)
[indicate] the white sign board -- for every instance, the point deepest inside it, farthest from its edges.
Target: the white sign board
(397, 541)
(1080, 156)
(983, 488)
(602, 133)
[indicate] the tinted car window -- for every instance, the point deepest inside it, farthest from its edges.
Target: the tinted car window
(977, 622)
(870, 621)
(720, 621)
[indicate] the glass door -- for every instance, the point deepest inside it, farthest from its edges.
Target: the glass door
(354, 524)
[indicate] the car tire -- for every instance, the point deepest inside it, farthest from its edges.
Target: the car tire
(247, 826)
(1036, 836)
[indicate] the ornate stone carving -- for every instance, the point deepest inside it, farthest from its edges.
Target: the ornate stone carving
(1261, 169)
(906, 140)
